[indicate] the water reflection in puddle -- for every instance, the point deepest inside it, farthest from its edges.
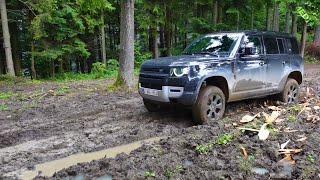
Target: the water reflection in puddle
(49, 168)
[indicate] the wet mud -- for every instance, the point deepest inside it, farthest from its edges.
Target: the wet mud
(82, 117)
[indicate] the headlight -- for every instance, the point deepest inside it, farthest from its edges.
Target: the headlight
(179, 71)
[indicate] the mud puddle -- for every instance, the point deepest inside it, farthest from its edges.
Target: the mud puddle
(49, 168)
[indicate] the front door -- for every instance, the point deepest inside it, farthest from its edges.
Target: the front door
(251, 68)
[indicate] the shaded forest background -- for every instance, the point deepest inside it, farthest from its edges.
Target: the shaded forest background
(62, 38)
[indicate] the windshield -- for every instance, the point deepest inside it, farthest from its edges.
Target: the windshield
(217, 45)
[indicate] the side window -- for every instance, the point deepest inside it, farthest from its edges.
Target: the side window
(295, 47)
(289, 46)
(281, 46)
(252, 46)
(271, 45)
(292, 46)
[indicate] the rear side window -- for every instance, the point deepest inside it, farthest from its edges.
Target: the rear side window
(281, 46)
(271, 45)
(292, 46)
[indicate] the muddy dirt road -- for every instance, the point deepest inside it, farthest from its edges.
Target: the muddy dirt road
(41, 122)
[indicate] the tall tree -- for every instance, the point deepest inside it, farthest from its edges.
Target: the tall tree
(276, 17)
(287, 23)
(125, 77)
(269, 18)
(317, 35)
(6, 38)
(103, 41)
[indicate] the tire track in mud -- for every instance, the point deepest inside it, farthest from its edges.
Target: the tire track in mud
(114, 124)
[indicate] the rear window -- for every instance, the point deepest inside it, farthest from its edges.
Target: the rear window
(271, 45)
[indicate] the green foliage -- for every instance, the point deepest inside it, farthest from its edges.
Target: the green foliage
(150, 174)
(246, 165)
(3, 107)
(224, 139)
(310, 158)
(170, 172)
(203, 149)
(5, 95)
(62, 91)
(140, 56)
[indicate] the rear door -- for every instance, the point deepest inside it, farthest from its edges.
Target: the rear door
(278, 61)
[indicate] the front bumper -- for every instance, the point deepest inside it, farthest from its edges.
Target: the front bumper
(166, 94)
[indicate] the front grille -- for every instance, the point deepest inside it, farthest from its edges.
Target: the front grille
(156, 70)
(151, 85)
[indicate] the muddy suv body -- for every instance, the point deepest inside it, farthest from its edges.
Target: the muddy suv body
(224, 67)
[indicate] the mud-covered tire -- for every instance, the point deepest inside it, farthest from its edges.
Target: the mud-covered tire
(150, 106)
(290, 93)
(210, 105)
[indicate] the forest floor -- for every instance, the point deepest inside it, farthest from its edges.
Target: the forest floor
(42, 122)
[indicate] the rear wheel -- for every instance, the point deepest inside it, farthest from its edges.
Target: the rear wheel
(290, 94)
(210, 105)
(151, 107)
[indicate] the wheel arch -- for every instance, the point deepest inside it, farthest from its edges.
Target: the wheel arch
(218, 81)
(296, 75)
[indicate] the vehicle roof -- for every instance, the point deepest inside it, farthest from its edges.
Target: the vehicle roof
(259, 33)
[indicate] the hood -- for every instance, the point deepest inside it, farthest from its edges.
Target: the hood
(185, 60)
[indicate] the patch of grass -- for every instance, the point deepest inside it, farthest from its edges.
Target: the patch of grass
(224, 139)
(295, 109)
(62, 90)
(3, 107)
(10, 80)
(204, 149)
(5, 95)
(169, 173)
(150, 174)
(246, 165)
(309, 172)
(30, 105)
(310, 158)
(311, 60)
(292, 118)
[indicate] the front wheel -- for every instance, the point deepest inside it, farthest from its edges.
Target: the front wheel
(210, 105)
(290, 94)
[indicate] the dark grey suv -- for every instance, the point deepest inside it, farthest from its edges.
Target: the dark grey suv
(224, 67)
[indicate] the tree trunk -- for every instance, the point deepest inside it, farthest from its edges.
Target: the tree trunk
(252, 16)
(287, 28)
(215, 12)
(294, 27)
(15, 48)
(6, 38)
(276, 17)
(220, 13)
(317, 35)
(33, 68)
(161, 34)
(103, 42)
(168, 31)
(155, 47)
(1, 67)
(269, 17)
(125, 77)
(303, 39)
(53, 69)
(238, 20)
